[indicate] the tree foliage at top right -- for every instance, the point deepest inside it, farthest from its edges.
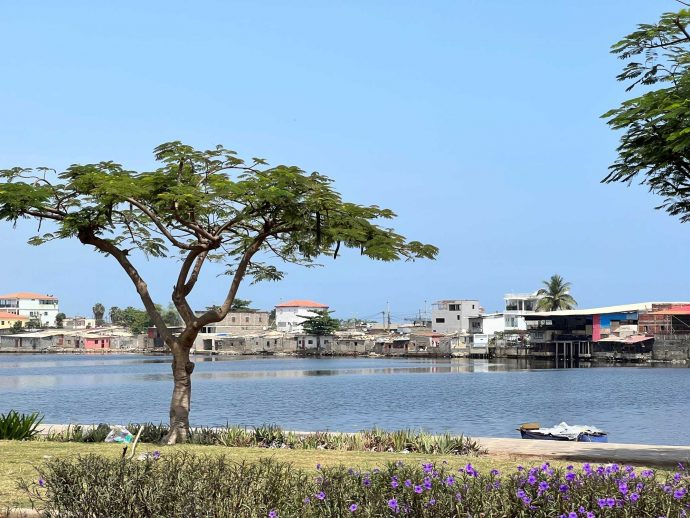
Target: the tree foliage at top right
(655, 144)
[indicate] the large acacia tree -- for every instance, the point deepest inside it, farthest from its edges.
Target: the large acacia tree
(655, 141)
(199, 206)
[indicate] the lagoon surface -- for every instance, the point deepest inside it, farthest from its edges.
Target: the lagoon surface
(475, 397)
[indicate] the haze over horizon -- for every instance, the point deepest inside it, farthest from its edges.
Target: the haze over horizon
(477, 123)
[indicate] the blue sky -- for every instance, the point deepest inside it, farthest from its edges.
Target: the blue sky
(476, 121)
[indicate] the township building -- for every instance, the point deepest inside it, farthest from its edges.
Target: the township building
(627, 331)
(452, 316)
(290, 315)
(43, 308)
(8, 320)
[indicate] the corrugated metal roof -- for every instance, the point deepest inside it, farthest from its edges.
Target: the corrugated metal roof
(624, 308)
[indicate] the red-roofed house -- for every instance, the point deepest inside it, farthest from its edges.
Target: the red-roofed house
(8, 320)
(43, 308)
(290, 314)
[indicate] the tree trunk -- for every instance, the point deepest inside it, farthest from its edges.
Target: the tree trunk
(181, 398)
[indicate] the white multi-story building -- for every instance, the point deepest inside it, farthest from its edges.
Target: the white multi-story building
(43, 308)
(517, 305)
(452, 316)
(290, 314)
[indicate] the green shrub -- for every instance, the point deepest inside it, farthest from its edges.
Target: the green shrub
(19, 427)
(187, 485)
(273, 436)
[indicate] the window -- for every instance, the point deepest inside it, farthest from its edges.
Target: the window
(268, 343)
(472, 306)
(259, 319)
(246, 319)
(440, 320)
(454, 307)
(458, 317)
(310, 341)
(232, 319)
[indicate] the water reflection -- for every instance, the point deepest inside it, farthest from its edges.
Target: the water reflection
(476, 397)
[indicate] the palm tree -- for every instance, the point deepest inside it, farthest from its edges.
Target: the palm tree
(556, 295)
(98, 312)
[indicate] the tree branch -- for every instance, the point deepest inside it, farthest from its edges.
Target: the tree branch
(183, 286)
(88, 237)
(156, 221)
(216, 315)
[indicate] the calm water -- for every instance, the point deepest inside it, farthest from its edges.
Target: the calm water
(474, 397)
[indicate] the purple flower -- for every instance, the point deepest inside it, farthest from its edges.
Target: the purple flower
(450, 480)
(521, 493)
(531, 480)
(570, 476)
(353, 508)
(543, 486)
(394, 484)
(418, 489)
(590, 514)
(427, 483)
(494, 473)
(432, 501)
(41, 482)
(470, 471)
(408, 483)
(634, 497)
(428, 468)
(306, 500)
(320, 495)
(393, 504)
(366, 482)
(679, 493)
(563, 488)
(318, 466)
(526, 500)
(623, 488)
(273, 514)
(520, 468)
(677, 477)
(610, 501)
(572, 514)
(602, 502)
(458, 496)
(647, 473)
(156, 455)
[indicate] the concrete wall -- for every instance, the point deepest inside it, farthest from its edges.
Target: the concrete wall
(671, 348)
(451, 316)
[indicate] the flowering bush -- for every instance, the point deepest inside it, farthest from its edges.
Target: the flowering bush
(182, 484)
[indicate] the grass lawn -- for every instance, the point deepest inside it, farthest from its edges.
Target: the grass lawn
(22, 459)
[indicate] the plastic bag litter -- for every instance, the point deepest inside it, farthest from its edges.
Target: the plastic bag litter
(119, 434)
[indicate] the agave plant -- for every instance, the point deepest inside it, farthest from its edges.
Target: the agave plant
(19, 427)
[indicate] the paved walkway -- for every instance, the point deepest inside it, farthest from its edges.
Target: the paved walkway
(641, 454)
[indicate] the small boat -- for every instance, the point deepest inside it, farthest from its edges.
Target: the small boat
(562, 432)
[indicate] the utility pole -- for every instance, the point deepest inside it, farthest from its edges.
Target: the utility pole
(388, 320)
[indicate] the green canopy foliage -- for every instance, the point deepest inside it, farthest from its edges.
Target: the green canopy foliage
(241, 304)
(655, 142)
(555, 295)
(321, 323)
(59, 319)
(201, 206)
